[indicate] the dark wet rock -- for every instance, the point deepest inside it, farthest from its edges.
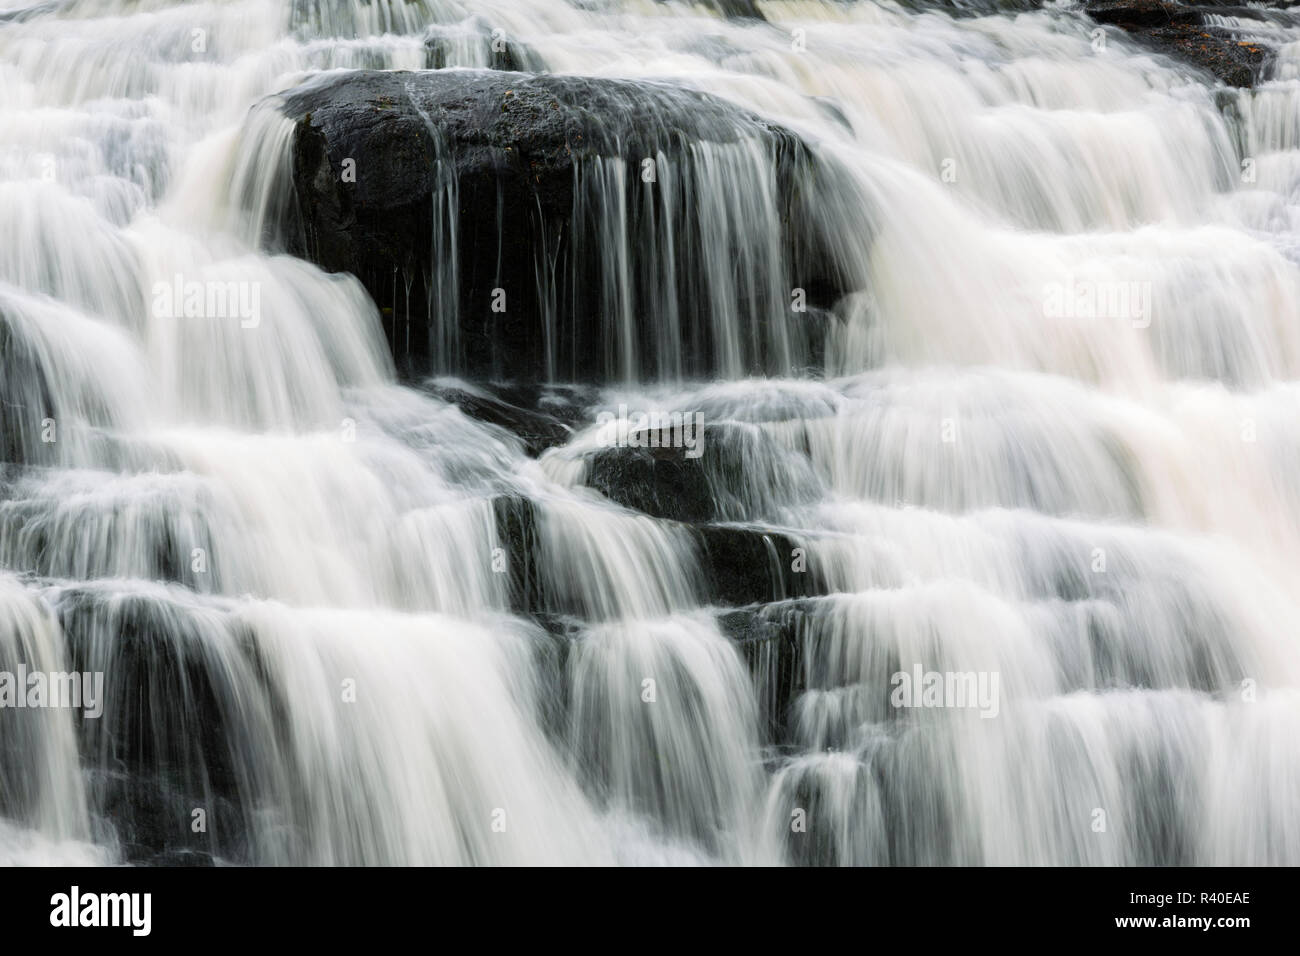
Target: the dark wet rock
(45, 405)
(35, 535)
(183, 856)
(1134, 14)
(517, 534)
(25, 399)
(171, 737)
(1183, 32)
(772, 654)
(149, 817)
(541, 417)
(35, 416)
(971, 8)
(737, 9)
(475, 202)
(661, 482)
(785, 646)
(733, 472)
(741, 565)
(556, 636)
(753, 566)
(10, 476)
(732, 9)
(461, 44)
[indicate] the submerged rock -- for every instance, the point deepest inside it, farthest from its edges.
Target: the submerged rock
(527, 227)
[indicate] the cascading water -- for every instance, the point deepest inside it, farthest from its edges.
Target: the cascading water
(339, 620)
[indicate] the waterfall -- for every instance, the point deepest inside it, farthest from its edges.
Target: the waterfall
(910, 473)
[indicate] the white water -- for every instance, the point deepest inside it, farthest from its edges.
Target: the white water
(346, 522)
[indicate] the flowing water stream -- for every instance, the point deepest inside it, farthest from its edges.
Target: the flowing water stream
(1056, 441)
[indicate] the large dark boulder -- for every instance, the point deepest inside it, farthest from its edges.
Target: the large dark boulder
(470, 181)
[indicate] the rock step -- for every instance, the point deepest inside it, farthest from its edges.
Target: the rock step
(525, 227)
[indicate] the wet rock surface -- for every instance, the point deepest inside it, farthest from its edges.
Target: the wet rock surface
(1195, 33)
(492, 177)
